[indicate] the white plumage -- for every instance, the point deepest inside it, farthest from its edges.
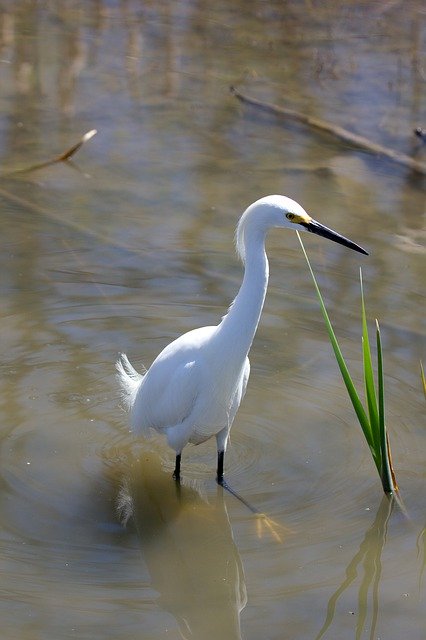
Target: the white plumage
(194, 387)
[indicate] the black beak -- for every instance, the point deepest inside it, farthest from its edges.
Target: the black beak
(325, 232)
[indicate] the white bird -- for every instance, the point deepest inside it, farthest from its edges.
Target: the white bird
(194, 387)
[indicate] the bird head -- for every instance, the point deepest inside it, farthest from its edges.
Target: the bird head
(280, 211)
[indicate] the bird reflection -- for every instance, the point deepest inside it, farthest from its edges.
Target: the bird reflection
(189, 550)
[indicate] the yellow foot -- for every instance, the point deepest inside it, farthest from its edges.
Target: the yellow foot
(264, 522)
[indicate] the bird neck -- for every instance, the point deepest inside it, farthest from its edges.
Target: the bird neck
(238, 327)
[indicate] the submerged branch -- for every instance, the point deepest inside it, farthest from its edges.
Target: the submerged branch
(339, 132)
(63, 157)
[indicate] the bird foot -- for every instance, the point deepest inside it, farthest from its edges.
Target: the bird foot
(264, 522)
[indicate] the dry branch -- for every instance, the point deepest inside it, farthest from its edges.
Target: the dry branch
(63, 157)
(335, 130)
(70, 152)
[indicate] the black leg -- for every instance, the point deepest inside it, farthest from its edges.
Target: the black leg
(221, 480)
(176, 472)
(220, 461)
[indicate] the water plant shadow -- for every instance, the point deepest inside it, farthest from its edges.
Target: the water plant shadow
(188, 548)
(368, 557)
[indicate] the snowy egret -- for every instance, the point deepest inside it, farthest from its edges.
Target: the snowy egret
(194, 387)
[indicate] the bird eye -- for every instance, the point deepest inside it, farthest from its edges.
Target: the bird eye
(290, 216)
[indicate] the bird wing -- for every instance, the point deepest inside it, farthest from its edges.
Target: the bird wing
(170, 388)
(185, 394)
(165, 398)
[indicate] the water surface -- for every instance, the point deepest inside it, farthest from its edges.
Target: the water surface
(132, 245)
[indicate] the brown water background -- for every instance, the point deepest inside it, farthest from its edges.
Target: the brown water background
(133, 245)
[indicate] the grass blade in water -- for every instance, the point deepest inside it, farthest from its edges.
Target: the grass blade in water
(387, 474)
(373, 424)
(353, 394)
(370, 392)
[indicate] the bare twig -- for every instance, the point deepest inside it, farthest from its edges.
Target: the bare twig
(68, 154)
(338, 132)
(63, 157)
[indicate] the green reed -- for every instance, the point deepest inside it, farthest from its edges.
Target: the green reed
(371, 418)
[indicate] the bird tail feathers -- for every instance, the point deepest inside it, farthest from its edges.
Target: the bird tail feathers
(129, 380)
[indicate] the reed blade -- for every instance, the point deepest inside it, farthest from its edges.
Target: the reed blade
(387, 473)
(353, 394)
(370, 391)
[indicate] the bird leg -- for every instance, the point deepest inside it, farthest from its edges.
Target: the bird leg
(221, 480)
(262, 518)
(220, 460)
(176, 472)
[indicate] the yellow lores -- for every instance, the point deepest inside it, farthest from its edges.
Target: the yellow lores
(299, 218)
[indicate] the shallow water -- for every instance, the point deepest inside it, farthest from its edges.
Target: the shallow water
(132, 245)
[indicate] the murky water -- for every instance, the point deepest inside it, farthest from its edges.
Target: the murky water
(132, 245)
